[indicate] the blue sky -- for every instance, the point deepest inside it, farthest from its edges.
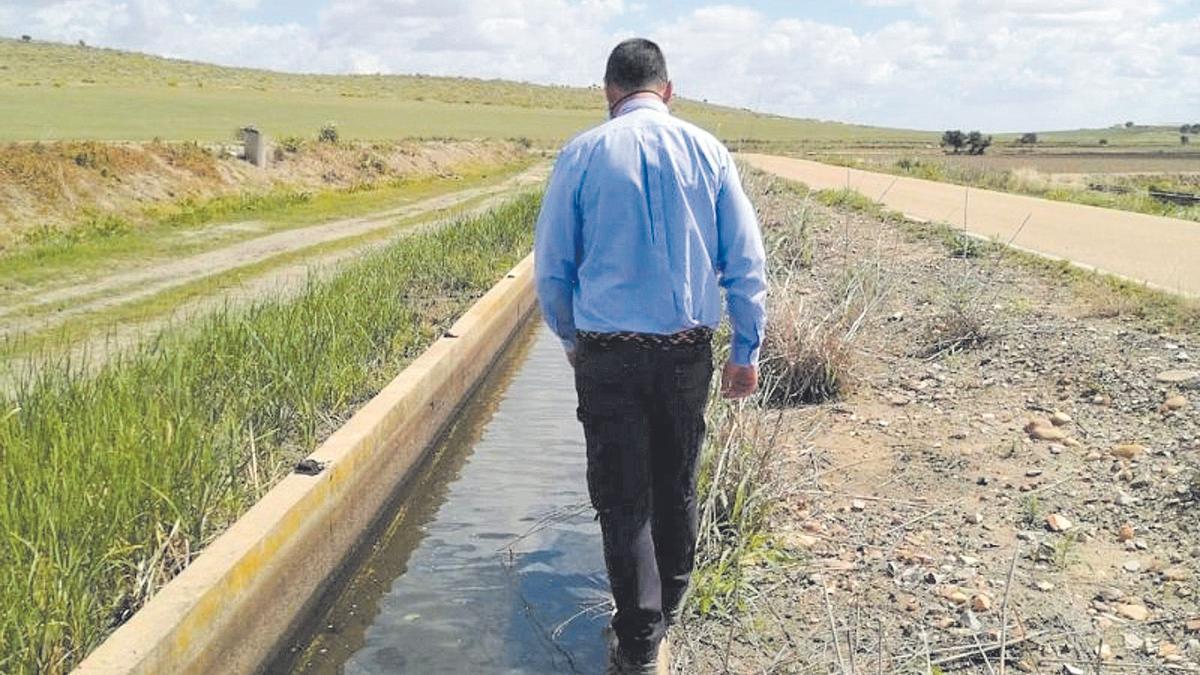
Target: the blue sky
(998, 65)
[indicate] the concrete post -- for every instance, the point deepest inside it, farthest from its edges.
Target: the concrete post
(255, 146)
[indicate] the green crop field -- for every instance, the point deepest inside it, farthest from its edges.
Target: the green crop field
(1117, 136)
(54, 92)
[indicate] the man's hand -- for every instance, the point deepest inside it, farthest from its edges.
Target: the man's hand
(738, 381)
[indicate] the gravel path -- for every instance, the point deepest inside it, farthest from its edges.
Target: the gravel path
(1160, 251)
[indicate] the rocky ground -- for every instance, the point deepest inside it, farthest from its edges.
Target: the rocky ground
(1012, 470)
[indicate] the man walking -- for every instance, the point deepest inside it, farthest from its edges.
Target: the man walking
(643, 224)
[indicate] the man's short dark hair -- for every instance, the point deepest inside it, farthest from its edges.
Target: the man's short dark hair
(635, 64)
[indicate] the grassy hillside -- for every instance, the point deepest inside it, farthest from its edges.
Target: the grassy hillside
(52, 91)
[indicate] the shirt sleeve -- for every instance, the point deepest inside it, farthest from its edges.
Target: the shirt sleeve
(556, 244)
(742, 263)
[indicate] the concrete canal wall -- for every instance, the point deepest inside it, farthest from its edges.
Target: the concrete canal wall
(230, 609)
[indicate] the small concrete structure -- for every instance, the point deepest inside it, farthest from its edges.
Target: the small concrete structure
(255, 143)
(229, 611)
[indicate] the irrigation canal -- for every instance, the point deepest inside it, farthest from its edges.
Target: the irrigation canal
(490, 560)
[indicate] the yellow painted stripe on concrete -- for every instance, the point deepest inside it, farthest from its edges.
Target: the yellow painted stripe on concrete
(230, 609)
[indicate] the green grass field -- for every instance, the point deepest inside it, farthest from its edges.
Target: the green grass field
(54, 92)
(1117, 136)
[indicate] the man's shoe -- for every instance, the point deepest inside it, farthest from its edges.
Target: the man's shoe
(620, 664)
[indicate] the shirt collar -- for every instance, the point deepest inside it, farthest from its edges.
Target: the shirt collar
(642, 103)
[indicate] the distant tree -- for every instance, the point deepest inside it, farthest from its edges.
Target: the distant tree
(1028, 139)
(1129, 125)
(1196, 128)
(26, 38)
(328, 133)
(1184, 140)
(1103, 141)
(82, 43)
(978, 143)
(955, 140)
(1185, 129)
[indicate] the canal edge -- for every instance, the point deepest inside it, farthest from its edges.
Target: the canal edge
(231, 608)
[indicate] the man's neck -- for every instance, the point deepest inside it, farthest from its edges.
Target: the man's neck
(635, 100)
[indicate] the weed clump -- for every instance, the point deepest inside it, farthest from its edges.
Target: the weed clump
(850, 199)
(803, 363)
(962, 245)
(964, 318)
(328, 133)
(290, 144)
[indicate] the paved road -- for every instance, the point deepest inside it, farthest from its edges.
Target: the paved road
(1163, 252)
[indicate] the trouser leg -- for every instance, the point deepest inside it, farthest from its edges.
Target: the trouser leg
(677, 436)
(611, 385)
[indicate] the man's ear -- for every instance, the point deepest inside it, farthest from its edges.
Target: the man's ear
(669, 92)
(611, 94)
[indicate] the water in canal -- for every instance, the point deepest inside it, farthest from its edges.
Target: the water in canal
(492, 562)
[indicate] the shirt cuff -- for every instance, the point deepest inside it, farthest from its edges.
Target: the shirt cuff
(568, 343)
(743, 355)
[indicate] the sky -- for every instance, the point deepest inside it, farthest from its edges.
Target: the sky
(996, 65)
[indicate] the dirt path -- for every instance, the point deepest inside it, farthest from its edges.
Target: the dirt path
(1160, 251)
(123, 287)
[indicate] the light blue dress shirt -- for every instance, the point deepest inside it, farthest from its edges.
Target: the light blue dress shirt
(642, 225)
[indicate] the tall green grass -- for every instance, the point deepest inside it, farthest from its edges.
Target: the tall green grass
(112, 479)
(738, 490)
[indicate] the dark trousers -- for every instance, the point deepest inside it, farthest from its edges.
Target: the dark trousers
(642, 410)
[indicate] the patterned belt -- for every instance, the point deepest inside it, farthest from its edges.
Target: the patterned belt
(688, 338)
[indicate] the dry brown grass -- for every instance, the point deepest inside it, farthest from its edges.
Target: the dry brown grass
(64, 186)
(808, 352)
(1102, 303)
(804, 361)
(49, 172)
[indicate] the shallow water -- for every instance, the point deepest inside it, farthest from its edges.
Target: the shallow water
(492, 562)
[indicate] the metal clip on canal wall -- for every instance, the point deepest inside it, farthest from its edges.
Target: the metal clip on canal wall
(230, 610)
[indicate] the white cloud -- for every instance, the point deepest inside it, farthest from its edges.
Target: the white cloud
(542, 40)
(994, 64)
(1005, 65)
